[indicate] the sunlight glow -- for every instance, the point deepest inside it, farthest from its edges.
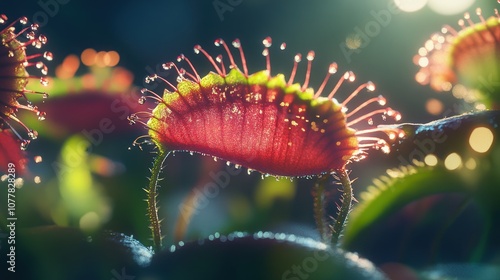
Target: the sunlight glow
(450, 7)
(410, 5)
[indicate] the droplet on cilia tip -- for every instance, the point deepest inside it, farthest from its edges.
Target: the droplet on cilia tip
(15, 65)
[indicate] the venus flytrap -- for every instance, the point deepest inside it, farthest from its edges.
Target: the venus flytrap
(265, 123)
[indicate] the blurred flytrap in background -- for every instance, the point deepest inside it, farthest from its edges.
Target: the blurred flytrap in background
(17, 37)
(464, 62)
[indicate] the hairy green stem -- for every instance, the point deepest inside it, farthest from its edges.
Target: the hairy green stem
(345, 207)
(152, 201)
(319, 204)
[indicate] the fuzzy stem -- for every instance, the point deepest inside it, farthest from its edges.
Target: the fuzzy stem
(319, 202)
(152, 202)
(345, 208)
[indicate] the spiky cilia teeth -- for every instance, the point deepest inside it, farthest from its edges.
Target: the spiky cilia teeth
(15, 61)
(283, 94)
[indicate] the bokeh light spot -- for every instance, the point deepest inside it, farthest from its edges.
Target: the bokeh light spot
(431, 160)
(449, 7)
(423, 61)
(471, 164)
(114, 58)
(453, 161)
(100, 59)
(434, 106)
(353, 41)
(410, 5)
(88, 57)
(481, 139)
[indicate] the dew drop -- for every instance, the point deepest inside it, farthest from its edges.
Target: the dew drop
(381, 100)
(39, 65)
(219, 58)
(34, 26)
(142, 100)
(48, 55)
(3, 18)
(283, 46)
(197, 49)
(267, 42)
(370, 86)
(385, 149)
(397, 116)
(297, 58)
(45, 95)
(44, 81)
(37, 44)
(237, 44)
(168, 65)
(30, 35)
(228, 163)
(24, 144)
(41, 116)
(23, 20)
(389, 112)
(218, 42)
(38, 159)
(332, 69)
(42, 39)
(132, 119)
(33, 134)
(351, 77)
(310, 55)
